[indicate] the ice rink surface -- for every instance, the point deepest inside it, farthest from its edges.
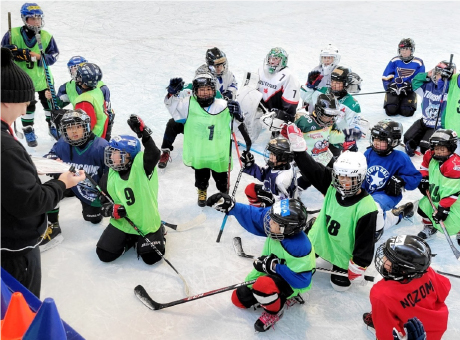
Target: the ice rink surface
(139, 47)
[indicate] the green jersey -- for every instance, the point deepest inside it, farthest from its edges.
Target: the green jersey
(139, 196)
(451, 119)
(442, 187)
(296, 264)
(37, 73)
(96, 98)
(334, 238)
(72, 93)
(207, 138)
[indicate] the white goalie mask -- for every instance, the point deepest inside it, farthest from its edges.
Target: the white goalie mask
(348, 173)
(327, 53)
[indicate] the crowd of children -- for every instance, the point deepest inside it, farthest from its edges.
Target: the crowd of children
(361, 190)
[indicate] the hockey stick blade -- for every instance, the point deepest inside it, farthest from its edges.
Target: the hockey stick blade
(237, 245)
(145, 298)
(187, 225)
(448, 274)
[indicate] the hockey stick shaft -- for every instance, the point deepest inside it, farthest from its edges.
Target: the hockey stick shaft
(446, 234)
(418, 153)
(238, 247)
(142, 294)
(363, 94)
(255, 151)
(442, 95)
(448, 274)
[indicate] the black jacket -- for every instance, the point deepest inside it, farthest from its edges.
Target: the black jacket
(25, 200)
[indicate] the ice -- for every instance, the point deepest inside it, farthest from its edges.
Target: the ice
(139, 47)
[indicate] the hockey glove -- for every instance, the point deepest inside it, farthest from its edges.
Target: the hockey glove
(221, 202)
(393, 89)
(228, 95)
(266, 197)
(138, 126)
(235, 110)
(295, 136)
(247, 158)
(441, 214)
(175, 85)
(116, 211)
(424, 185)
(313, 80)
(266, 264)
(446, 73)
(405, 88)
(20, 54)
(414, 331)
(394, 186)
(355, 272)
(350, 146)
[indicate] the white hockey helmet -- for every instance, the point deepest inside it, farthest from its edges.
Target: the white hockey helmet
(352, 165)
(329, 51)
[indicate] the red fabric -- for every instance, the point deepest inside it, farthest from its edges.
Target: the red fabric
(265, 286)
(250, 192)
(236, 301)
(393, 303)
(89, 109)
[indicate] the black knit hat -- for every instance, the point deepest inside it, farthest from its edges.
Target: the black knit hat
(17, 86)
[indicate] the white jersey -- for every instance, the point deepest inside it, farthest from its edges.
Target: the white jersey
(279, 90)
(178, 107)
(326, 73)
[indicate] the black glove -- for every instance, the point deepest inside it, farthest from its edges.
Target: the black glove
(393, 89)
(56, 116)
(137, 125)
(221, 202)
(247, 158)
(394, 186)
(264, 264)
(441, 214)
(313, 80)
(414, 331)
(405, 88)
(235, 110)
(283, 115)
(175, 85)
(19, 54)
(446, 73)
(113, 210)
(424, 185)
(264, 196)
(228, 95)
(351, 145)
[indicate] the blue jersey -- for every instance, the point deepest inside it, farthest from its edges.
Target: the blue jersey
(381, 168)
(89, 157)
(281, 183)
(431, 95)
(406, 71)
(252, 219)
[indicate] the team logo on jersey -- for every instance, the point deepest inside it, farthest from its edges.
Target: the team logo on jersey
(376, 177)
(404, 72)
(320, 147)
(455, 166)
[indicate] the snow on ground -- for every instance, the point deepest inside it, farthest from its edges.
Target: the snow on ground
(139, 46)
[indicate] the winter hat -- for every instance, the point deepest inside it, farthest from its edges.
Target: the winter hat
(17, 86)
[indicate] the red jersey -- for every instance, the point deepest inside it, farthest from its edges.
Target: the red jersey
(393, 303)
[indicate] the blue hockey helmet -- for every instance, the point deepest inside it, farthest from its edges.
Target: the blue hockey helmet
(88, 74)
(32, 10)
(120, 152)
(73, 63)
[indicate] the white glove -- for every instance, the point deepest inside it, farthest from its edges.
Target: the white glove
(295, 136)
(355, 272)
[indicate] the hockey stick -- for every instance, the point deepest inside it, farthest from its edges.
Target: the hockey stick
(363, 94)
(244, 146)
(451, 244)
(238, 246)
(442, 94)
(447, 274)
(145, 298)
(418, 153)
(16, 131)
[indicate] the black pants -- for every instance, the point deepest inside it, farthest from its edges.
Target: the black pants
(32, 107)
(202, 177)
(27, 269)
(405, 105)
(90, 213)
(419, 135)
(173, 128)
(114, 242)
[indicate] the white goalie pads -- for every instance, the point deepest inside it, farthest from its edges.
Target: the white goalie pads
(249, 98)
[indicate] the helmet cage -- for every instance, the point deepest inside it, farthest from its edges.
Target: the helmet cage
(127, 146)
(77, 118)
(32, 10)
(280, 213)
(349, 165)
(329, 51)
(123, 164)
(276, 52)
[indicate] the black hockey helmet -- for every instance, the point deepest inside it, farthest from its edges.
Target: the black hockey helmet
(403, 258)
(290, 214)
(75, 118)
(214, 57)
(407, 42)
(88, 74)
(340, 74)
(201, 80)
(281, 148)
(388, 130)
(444, 137)
(326, 105)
